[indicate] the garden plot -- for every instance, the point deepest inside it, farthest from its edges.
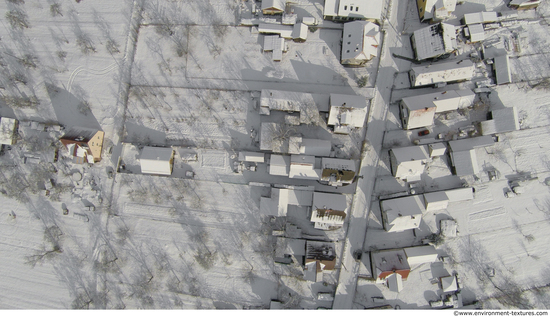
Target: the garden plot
(216, 12)
(191, 117)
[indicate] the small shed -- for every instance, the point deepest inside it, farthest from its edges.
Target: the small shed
(299, 32)
(255, 157)
(437, 149)
(421, 254)
(155, 160)
(436, 201)
(503, 120)
(448, 284)
(460, 194)
(524, 4)
(503, 73)
(448, 228)
(395, 282)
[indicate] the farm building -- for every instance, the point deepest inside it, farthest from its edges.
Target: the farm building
(273, 6)
(84, 145)
(349, 10)
(360, 42)
(420, 255)
(501, 120)
(303, 167)
(279, 165)
(328, 210)
(434, 41)
(446, 72)
(479, 17)
(8, 126)
(435, 10)
(320, 256)
(400, 214)
(347, 112)
(463, 155)
(337, 172)
(407, 163)
(281, 198)
(419, 111)
(155, 160)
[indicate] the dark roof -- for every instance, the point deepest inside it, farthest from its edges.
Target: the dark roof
(79, 134)
(320, 251)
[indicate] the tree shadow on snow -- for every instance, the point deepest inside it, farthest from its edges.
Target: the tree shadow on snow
(70, 110)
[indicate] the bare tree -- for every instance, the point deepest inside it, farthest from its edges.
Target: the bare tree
(21, 102)
(17, 19)
(55, 10)
(112, 46)
(85, 43)
(50, 248)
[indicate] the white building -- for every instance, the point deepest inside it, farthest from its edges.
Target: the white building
(446, 72)
(408, 163)
(349, 10)
(475, 32)
(281, 198)
(434, 41)
(418, 111)
(347, 112)
(284, 31)
(360, 42)
(436, 201)
(337, 172)
(255, 157)
(315, 147)
(328, 210)
(7, 130)
(480, 17)
(437, 149)
(400, 214)
(501, 66)
(384, 263)
(299, 32)
(435, 10)
(155, 160)
(460, 194)
(524, 4)
(463, 154)
(420, 255)
(275, 44)
(306, 104)
(273, 6)
(279, 165)
(502, 120)
(303, 167)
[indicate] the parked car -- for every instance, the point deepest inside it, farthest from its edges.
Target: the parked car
(423, 132)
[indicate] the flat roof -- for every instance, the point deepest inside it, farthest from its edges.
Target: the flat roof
(480, 17)
(502, 69)
(279, 165)
(442, 72)
(156, 160)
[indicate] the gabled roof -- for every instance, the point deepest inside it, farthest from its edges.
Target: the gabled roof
(279, 165)
(156, 160)
(329, 208)
(502, 69)
(277, 5)
(387, 262)
(442, 72)
(360, 40)
(411, 153)
(480, 17)
(434, 40)
(403, 213)
(324, 252)
(504, 120)
(443, 101)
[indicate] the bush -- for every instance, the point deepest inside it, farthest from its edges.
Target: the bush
(362, 81)
(17, 19)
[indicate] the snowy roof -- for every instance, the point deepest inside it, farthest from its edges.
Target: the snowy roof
(347, 110)
(275, 5)
(443, 101)
(502, 69)
(350, 101)
(308, 105)
(303, 166)
(411, 153)
(386, 262)
(277, 204)
(7, 130)
(353, 9)
(338, 164)
(395, 282)
(273, 43)
(296, 247)
(315, 147)
(448, 284)
(437, 9)
(434, 40)
(360, 40)
(480, 17)
(279, 165)
(270, 28)
(156, 160)
(460, 194)
(251, 157)
(329, 208)
(437, 149)
(421, 254)
(402, 213)
(465, 162)
(524, 3)
(299, 31)
(436, 200)
(504, 120)
(477, 32)
(470, 143)
(442, 72)
(323, 252)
